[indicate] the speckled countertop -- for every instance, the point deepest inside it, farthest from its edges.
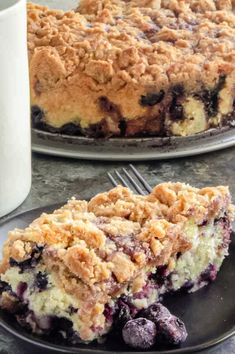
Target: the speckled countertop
(57, 179)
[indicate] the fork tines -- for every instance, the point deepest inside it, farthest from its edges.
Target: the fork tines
(133, 180)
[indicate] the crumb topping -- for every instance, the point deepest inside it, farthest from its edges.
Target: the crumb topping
(117, 42)
(85, 264)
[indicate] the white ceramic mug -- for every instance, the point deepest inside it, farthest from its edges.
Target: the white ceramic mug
(15, 144)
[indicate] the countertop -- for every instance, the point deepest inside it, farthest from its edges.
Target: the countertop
(56, 179)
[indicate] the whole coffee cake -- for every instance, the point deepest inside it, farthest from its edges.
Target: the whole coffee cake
(88, 266)
(133, 68)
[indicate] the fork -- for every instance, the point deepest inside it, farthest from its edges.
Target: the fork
(133, 180)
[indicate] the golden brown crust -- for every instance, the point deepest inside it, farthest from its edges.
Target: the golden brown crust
(122, 50)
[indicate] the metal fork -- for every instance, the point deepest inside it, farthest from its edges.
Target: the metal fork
(133, 180)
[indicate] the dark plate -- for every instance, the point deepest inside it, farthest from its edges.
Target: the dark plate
(209, 314)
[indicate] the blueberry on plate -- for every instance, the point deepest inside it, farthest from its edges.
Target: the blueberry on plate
(155, 312)
(139, 333)
(172, 330)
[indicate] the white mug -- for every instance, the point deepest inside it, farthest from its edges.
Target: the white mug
(15, 142)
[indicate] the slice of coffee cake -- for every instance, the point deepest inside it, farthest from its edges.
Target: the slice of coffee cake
(72, 270)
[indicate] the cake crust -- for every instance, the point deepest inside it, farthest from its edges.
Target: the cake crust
(129, 68)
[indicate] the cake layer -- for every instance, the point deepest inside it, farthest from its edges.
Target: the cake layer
(133, 68)
(71, 271)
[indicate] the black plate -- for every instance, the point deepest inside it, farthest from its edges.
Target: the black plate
(209, 314)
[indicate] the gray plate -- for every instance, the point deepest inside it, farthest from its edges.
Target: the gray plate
(135, 149)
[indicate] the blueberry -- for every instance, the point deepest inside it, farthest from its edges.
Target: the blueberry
(203, 223)
(41, 281)
(122, 127)
(108, 313)
(27, 320)
(37, 115)
(176, 111)
(122, 316)
(178, 255)
(155, 312)
(98, 130)
(211, 97)
(11, 306)
(21, 288)
(64, 326)
(172, 330)
(178, 90)
(5, 287)
(152, 98)
(16, 305)
(209, 274)
(30, 262)
(72, 310)
(106, 105)
(188, 285)
(70, 129)
(160, 277)
(126, 300)
(139, 333)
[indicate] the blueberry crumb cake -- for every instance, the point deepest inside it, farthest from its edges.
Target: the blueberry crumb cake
(93, 267)
(133, 67)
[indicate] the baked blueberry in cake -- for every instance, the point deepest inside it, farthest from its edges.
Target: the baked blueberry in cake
(133, 67)
(92, 267)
